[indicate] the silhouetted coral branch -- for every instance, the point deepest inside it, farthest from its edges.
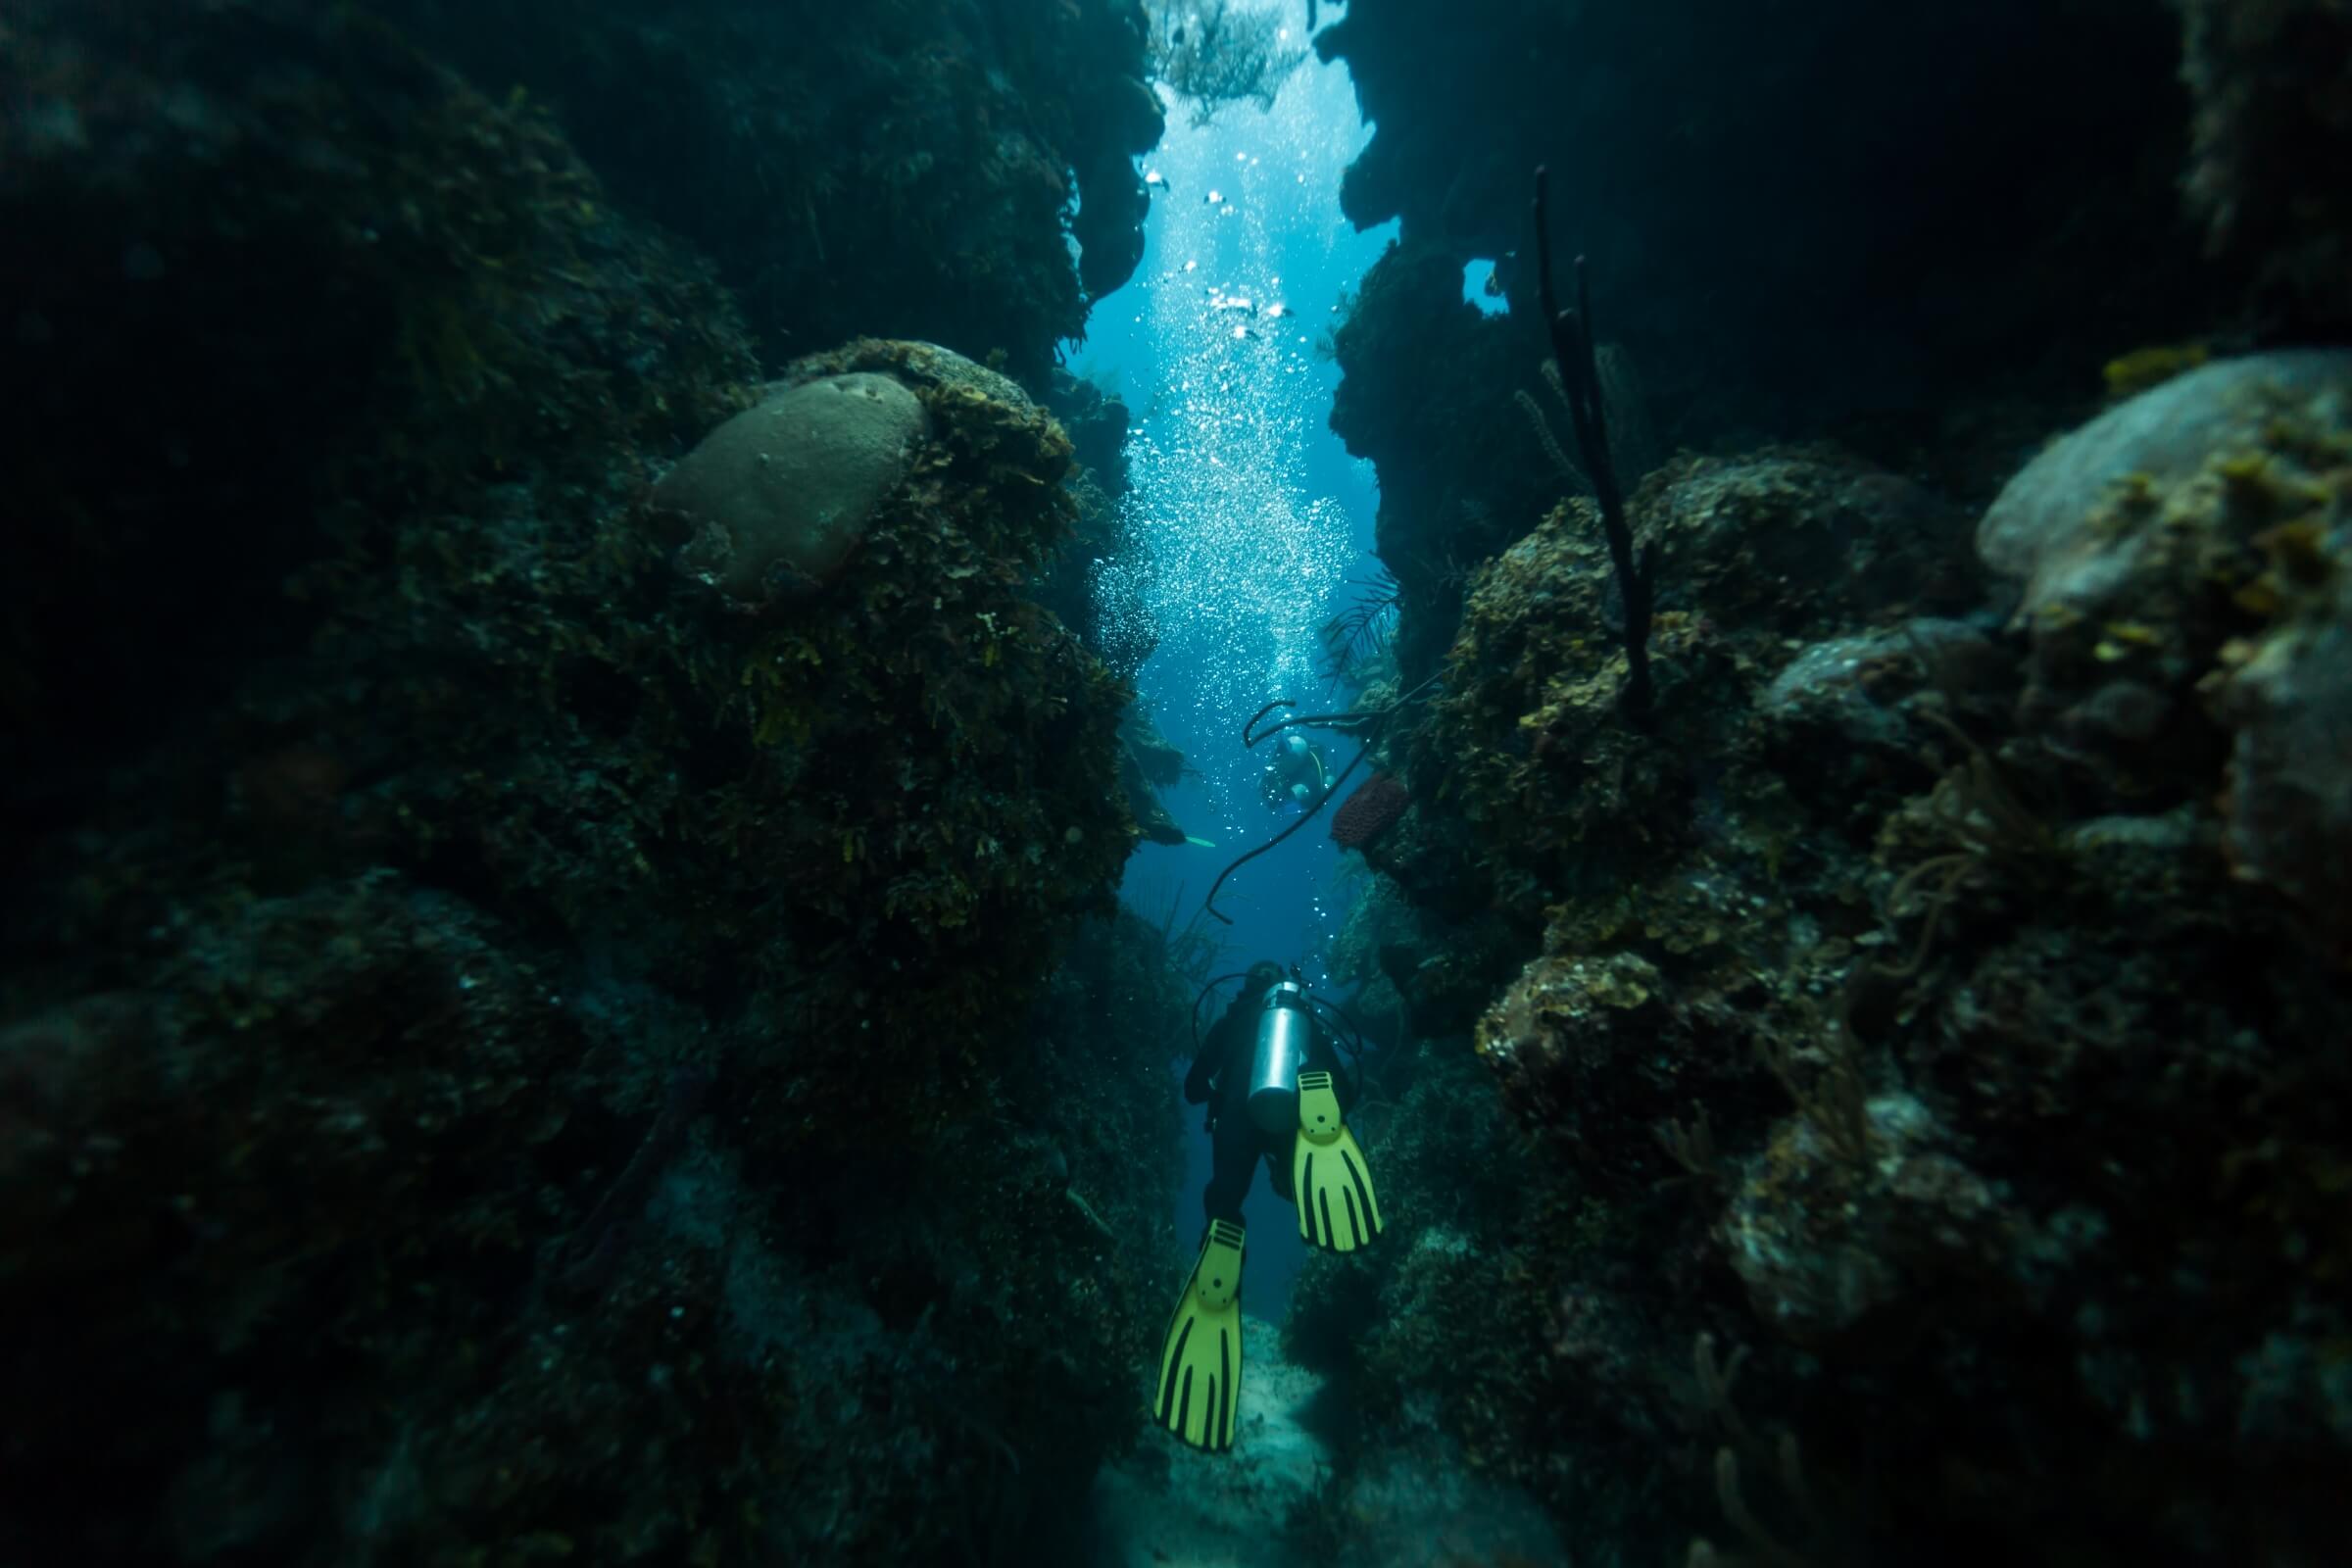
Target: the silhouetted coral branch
(1692, 1148)
(1716, 1381)
(1560, 461)
(1580, 379)
(1834, 1100)
(1760, 1540)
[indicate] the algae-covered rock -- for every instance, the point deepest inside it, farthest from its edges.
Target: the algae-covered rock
(2064, 527)
(1859, 1240)
(2288, 811)
(2182, 557)
(1755, 553)
(780, 494)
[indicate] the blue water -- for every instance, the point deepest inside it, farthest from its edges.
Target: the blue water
(1477, 278)
(1256, 518)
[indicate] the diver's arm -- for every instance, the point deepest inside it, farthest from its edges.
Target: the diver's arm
(1196, 1082)
(1200, 1081)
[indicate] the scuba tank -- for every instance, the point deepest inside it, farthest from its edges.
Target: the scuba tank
(1284, 1028)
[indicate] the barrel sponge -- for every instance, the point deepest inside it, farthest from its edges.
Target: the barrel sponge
(780, 496)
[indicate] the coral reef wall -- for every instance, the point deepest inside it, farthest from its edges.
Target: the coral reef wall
(1919, 1034)
(506, 1051)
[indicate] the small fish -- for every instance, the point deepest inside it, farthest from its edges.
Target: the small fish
(1155, 180)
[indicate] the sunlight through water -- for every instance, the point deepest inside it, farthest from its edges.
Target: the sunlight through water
(1242, 559)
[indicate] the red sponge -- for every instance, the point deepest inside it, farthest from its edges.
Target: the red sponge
(1370, 811)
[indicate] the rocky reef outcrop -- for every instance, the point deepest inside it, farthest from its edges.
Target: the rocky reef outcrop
(1898, 1078)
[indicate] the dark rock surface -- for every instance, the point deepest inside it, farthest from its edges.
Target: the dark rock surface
(1920, 233)
(1795, 224)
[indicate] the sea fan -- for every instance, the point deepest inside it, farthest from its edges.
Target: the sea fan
(1360, 633)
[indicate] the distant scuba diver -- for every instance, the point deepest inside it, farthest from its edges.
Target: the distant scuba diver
(1270, 1072)
(1296, 775)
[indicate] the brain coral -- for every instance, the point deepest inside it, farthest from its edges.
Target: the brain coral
(780, 494)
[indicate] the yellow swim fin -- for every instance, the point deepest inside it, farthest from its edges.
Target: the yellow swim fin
(1200, 1361)
(1329, 1178)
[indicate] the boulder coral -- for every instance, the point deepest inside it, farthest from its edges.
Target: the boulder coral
(1525, 744)
(779, 495)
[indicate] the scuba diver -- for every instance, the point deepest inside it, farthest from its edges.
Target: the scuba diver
(1269, 1073)
(1296, 774)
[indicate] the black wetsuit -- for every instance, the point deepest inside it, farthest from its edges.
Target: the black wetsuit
(1222, 1071)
